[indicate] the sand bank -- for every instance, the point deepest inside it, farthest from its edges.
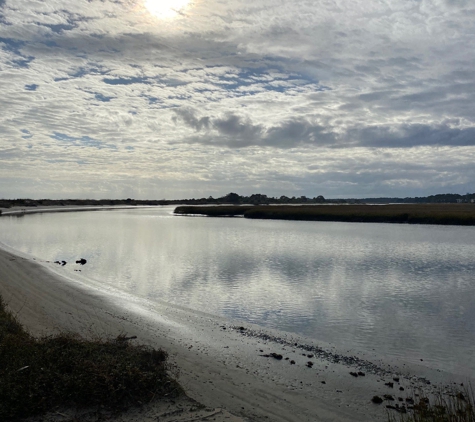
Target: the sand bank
(65, 208)
(234, 370)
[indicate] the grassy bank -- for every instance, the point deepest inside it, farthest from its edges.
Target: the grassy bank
(40, 375)
(214, 211)
(447, 214)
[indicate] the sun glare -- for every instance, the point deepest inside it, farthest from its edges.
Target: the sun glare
(165, 8)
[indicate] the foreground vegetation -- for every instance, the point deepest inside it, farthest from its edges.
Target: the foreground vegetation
(453, 214)
(39, 375)
(456, 407)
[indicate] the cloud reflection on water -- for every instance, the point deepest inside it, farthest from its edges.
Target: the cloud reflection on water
(404, 291)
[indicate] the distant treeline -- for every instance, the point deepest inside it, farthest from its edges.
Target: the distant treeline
(447, 214)
(443, 198)
(235, 199)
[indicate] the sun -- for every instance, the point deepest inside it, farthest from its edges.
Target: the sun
(165, 8)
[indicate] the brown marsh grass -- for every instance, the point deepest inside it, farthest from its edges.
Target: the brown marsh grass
(446, 214)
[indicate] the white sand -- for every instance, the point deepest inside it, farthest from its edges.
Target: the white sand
(220, 368)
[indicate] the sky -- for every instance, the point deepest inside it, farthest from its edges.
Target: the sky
(154, 99)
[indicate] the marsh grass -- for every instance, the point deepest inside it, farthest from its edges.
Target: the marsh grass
(446, 214)
(454, 407)
(38, 375)
(213, 211)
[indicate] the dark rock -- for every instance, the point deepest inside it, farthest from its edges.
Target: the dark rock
(401, 388)
(310, 356)
(63, 263)
(388, 397)
(460, 396)
(354, 374)
(309, 364)
(410, 400)
(377, 400)
(81, 261)
(276, 356)
(396, 379)
(361, 374)
(292, 362)
(389, 384)
(57, 262)
(323, 382)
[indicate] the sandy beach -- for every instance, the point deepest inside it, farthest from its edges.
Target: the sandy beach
(234, 370)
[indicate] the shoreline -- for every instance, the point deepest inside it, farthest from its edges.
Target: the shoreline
(20, 211)
(220, 364)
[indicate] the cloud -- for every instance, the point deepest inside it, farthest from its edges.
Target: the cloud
(234, 131)
(415, 135)
(31, 87)
(249, 94)
(189, 119)
(83, 141)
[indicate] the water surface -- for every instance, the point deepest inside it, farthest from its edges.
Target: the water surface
(403, 291)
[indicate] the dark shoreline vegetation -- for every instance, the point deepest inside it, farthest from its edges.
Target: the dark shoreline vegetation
(42, 375)
(456, 406)
(235, 199)
(445, 214)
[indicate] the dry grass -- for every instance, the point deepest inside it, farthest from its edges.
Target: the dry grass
(38, 375)
(447, 214)
(213, 211)
(455, 407)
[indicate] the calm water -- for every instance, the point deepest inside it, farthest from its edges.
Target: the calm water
(405, 291)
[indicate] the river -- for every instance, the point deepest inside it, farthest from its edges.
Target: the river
(400, 291)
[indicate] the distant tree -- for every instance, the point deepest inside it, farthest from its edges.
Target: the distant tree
(232, 197)
(284, 199)
(319, 199)
(258, 198)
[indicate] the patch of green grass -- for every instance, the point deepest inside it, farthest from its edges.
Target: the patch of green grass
(38, 375)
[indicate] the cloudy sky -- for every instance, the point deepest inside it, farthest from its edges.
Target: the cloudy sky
(176, 99)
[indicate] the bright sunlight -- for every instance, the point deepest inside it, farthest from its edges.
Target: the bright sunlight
(165, 8)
